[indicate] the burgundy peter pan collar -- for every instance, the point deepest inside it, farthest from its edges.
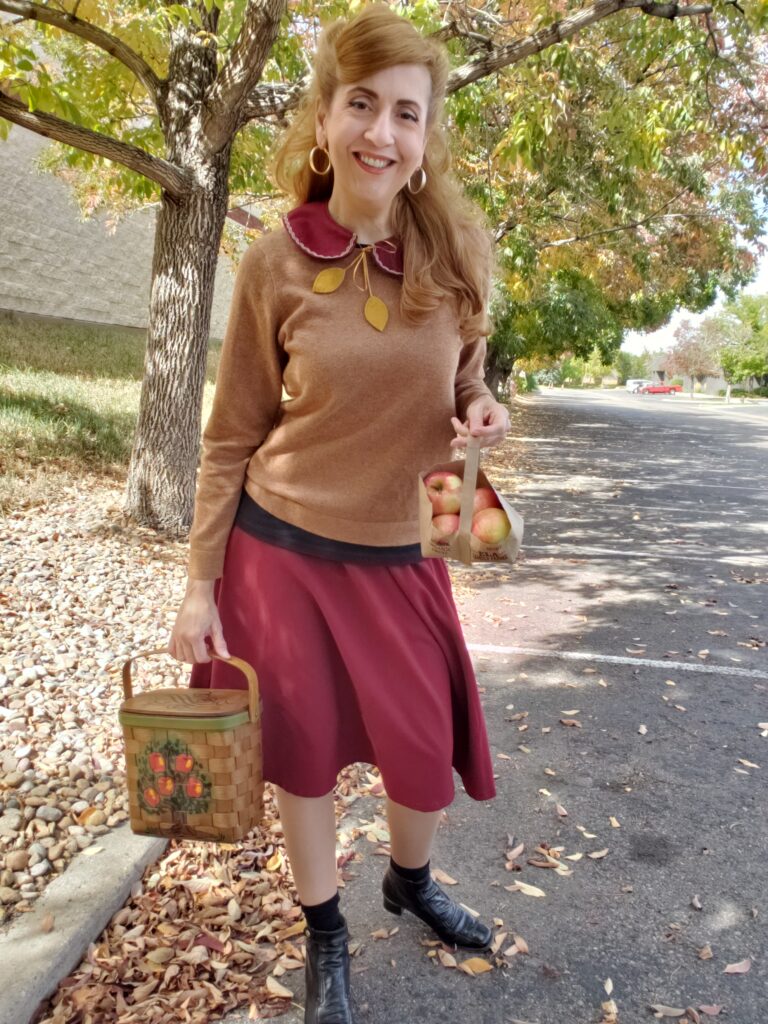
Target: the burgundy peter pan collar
(314, 230)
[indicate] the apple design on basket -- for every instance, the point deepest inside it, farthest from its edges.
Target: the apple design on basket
(490, 523)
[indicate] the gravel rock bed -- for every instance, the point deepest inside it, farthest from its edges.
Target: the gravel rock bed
(81, 589)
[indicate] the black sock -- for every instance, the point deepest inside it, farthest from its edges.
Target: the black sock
(418, 875)
(323, 917)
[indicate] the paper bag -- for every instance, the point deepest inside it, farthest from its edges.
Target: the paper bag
(463, 545)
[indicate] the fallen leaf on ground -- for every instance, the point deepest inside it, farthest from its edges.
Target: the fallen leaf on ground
(574, 856)
(443, 878)
(445, 958)
(573, 711)
(614, 822)
(525, 889)
(276, 989)
(740, 968)
(561, 811)
(598, 854)
(711, 1011)
(475, 965)
(705, 953)
(696, 903)
(659, 1010)
(748, 764)
(46, 925)
(643, 730)
(608, 986)
(512, 854)
(549, 771)
(574, 723)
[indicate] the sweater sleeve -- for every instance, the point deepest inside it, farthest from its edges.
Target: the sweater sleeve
(470, 376)
(245, 406)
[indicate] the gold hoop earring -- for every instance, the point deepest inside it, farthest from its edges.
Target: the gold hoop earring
(312, 152)
(422, 182)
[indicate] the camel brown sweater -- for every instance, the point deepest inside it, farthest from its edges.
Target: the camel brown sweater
(368, 409)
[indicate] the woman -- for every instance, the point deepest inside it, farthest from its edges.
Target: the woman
(368, 308)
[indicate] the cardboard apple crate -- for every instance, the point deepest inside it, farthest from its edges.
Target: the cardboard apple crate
(193, 759)
(462, 545)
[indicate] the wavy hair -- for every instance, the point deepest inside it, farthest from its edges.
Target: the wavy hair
(447, 249)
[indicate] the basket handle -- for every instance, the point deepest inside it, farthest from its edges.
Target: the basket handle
(245, 668)
(471, 466)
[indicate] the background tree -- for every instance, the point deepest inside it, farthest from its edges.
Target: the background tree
(742, 331)
(695, 354)
(618, 149)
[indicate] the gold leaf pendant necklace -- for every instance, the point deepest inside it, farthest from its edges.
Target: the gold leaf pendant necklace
(375, 311)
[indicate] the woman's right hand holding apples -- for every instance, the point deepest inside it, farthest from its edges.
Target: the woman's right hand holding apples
(197, 618)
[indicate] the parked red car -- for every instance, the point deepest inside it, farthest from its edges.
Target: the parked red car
(660, 389)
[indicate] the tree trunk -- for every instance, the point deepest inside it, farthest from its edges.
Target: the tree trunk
(162, 473)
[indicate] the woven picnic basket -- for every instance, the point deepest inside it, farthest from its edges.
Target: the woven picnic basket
(193, 758)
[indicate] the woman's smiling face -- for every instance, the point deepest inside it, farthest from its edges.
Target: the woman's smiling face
(375, 132)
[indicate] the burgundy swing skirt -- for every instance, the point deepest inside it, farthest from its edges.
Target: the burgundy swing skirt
(355, 663)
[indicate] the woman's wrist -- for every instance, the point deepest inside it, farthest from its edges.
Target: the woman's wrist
(204, 587)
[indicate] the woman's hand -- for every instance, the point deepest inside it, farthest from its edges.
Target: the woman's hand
(486, 419)
(197, 618)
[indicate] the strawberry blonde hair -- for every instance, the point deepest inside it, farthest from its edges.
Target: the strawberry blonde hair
(446, 249)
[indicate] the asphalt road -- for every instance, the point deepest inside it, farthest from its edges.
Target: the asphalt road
(639, 609)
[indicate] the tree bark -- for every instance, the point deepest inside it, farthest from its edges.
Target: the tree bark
(162, 473)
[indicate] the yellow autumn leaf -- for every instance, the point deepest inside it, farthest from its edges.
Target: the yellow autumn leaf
(328, 280)
(598, 854)
(527, 890)
(574, 856)
(376, 313)
(614, 822)
(275, 862)
(445, 958)
(475, 965)
(161, 955)
(276, 989)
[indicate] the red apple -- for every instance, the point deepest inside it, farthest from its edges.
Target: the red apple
(151, 796)
(194, 787)
(183, 762)
(165, 785)
(444, 490)
(485, 497)
(157, 761)
(491, 525)
(443, 526)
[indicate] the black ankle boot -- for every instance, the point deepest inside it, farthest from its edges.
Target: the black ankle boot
(327, 977)
(428, 902)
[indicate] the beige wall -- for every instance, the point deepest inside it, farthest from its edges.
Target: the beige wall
(54, 264)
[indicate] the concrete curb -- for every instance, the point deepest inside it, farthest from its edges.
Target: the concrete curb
(82, 900)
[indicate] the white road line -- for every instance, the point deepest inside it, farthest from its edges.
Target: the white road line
(641, 485)
(671, 666)
(566, 550)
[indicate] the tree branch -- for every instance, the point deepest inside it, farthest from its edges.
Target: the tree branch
(629, 226)
(241, 73)
(503, 56)
(91, 33)
(274, 99)
(175, 180)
